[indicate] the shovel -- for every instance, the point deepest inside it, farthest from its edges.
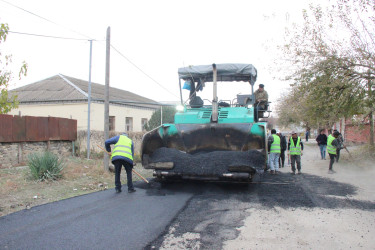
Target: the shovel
(350, 155)
(140, 176)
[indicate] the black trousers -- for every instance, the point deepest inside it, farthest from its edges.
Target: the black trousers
(338, 154)
(282, 158)
(332, 160)
(293, 160)
(128, 167)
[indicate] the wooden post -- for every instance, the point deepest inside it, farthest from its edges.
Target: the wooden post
(20, 152)
(106, 93)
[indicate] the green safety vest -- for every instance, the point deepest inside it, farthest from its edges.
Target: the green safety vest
(123, 148)
(295, 149)
(275, 146)
(330, 148)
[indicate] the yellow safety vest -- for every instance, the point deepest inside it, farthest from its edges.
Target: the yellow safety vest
(275, 146)
(330, 148)
(123, 148)
(295, 149)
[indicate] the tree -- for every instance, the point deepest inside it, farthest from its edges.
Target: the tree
(7, 102)
(332, 64)
(168, 117)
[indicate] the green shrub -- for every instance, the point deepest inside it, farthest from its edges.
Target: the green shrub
(45, 166)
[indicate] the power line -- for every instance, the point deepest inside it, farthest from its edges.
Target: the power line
(57, 37)
(80, 39)
(46, 19)
(143, 71)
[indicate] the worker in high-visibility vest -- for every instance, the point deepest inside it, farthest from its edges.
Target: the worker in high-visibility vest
(274, 150)
(295, 150)
(122, 155)
(332, 145)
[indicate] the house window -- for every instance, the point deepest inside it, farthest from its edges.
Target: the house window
(144, 122)
(129, 124)
(111, 123)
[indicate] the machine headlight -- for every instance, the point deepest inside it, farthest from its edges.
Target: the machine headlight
(180, 108)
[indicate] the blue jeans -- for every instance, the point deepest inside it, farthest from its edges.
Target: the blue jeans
(323, 151)
(274, 161)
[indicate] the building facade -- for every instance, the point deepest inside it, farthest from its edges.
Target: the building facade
(67, 97)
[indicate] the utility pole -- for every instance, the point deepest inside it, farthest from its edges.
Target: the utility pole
(161, 115)
(106, 93)
(371, 118)
(89, 104)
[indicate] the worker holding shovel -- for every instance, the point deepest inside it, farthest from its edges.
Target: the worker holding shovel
(122, 155)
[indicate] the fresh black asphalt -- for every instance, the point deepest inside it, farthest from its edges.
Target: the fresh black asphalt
(101, 220)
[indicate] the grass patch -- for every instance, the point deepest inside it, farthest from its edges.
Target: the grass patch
(80, 176)
(45, 166)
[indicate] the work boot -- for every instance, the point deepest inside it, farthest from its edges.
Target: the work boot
(294, 172)
(131, 190)
(299, 172)
(118, 191)
(272, 172)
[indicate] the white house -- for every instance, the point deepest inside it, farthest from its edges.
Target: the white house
(64, 96)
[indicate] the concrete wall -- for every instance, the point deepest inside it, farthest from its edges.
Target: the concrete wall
(78, 111)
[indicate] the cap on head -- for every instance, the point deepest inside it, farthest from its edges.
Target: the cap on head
(336, 133)
(261, 86)
(293, 132)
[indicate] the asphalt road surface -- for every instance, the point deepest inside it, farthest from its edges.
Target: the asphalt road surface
(315, 210)
(101, 220)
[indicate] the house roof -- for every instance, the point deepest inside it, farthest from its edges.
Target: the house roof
(61, 88)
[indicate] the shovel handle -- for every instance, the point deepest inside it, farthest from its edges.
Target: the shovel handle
(140, 176)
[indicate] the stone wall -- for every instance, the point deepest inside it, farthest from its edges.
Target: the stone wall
(14, 154)
(97, 138)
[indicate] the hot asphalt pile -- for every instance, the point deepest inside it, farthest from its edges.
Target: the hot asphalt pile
(211, 163)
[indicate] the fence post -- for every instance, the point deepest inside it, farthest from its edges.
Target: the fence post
(20, 152)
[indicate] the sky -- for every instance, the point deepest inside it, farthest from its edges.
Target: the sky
(152, 40)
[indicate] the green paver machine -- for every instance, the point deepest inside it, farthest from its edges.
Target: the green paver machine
(222, 128)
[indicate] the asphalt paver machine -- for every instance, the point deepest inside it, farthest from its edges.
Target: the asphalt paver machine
(216, 140)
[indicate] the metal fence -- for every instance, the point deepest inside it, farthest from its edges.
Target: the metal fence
(34, 128)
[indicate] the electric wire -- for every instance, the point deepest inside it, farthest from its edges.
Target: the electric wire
(46, 19)
(122, 55)
(48, 36)
(82, 39)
